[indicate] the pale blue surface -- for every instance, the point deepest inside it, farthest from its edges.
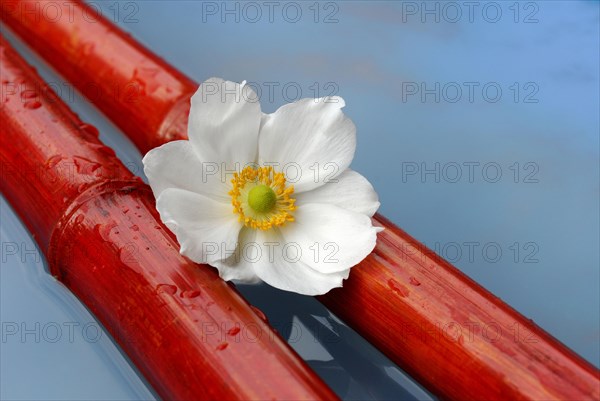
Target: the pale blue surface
(372, 55)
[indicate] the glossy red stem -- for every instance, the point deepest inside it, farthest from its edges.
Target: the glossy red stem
(189, 333)
(455, 337)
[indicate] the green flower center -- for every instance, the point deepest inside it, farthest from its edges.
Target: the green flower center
(262, 198)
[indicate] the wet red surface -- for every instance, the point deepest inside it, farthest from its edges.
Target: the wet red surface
(101, 233)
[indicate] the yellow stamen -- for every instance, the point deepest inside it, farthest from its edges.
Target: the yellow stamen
(258, 210)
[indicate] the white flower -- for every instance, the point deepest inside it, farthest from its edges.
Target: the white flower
(266, 196)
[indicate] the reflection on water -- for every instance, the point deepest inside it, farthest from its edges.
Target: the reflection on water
(352, 367)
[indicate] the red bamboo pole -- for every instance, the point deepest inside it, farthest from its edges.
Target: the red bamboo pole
(452, 335)
(189, 333)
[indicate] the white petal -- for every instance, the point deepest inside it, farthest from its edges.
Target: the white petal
(350, 191)
(263, 255)
(332, 239)
(278, 265)
(236, 267)
(224, 122)
(206, 229)
(176, 165)
(310, 140)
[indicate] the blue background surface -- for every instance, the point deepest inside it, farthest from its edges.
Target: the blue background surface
(541, 134)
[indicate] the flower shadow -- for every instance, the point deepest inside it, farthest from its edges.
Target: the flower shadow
(348, 363)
